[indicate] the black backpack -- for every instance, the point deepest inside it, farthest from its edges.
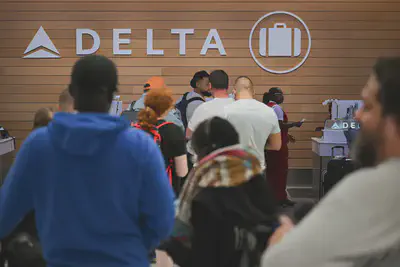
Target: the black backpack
(131, 114)
(22, 248)
(182, 107)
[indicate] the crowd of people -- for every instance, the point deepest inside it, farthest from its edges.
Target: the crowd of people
(196, 182)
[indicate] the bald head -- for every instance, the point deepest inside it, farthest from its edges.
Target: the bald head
(244, 87)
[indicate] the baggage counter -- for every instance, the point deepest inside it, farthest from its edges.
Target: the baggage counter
(7, 150)
(322, 153)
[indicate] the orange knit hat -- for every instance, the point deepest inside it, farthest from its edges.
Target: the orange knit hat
(155, 82)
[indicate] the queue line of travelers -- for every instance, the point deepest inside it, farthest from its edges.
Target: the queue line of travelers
(100, 195)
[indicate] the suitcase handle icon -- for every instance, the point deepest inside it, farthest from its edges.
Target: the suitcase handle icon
(280, 41)
(277, 25)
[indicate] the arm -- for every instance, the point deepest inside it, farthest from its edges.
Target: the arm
(16, 198)
(194, 122)
(181, 165)
(283, 125)
(156, 199)
(274, 141)
(286, 125)
(189, 133)
(350, 224)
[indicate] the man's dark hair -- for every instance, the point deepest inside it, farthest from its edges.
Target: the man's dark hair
(219, 79)
(197, 77)
(94, 81)
(387, 71)
(270, 95)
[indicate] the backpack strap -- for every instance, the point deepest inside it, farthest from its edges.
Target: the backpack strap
(163, 124)
(197, 98)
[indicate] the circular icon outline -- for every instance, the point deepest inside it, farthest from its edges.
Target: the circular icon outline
(282, 71)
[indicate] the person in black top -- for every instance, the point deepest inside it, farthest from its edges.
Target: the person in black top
(158, 103)
(226, 211)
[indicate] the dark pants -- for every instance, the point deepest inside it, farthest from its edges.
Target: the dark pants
(277, 170)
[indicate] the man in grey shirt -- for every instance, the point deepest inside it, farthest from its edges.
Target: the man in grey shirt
(357, 224)
(189, 102)
(157, 83)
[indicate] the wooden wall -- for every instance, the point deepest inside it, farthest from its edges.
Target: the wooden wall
(348, 35)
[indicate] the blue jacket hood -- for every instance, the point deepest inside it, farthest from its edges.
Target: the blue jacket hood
(85, 133)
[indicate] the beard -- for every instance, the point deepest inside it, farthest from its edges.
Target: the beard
(206, 93)
(365, 149)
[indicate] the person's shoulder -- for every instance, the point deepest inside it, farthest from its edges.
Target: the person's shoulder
(138, 140)
(38, 136)
(370, 181)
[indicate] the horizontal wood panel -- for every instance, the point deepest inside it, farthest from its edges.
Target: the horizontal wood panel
(231, 53)
(66, 28)
(194, 62)
(127, 89)
(306, 108)
(53, 98)
(300, 163)
(181, 80)
(342, 34)
(121, 15)
(193, 6)
(27, 116)
(195, 1)
(300, 145)
(198, 44)
(178, 71)
(300, 154)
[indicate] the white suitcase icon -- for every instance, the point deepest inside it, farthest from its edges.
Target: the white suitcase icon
(280, 41)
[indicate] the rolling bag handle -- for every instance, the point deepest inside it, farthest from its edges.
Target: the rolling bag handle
(337, 147)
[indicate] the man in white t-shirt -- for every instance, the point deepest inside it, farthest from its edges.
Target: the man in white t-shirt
(256, 123)
(219, 82)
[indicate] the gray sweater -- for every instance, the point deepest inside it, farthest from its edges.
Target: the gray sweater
(356, 225)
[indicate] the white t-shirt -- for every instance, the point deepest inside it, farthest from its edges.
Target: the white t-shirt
(255, 122)
(207, 110)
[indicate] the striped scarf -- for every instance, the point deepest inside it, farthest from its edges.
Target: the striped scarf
(226, 167)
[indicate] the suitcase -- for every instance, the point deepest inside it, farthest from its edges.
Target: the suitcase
(280, 41)
(338, 167)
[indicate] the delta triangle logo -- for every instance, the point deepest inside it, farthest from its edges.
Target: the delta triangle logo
(335, 126)
(42, 46)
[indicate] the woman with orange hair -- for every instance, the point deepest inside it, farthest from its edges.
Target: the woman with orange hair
(158, 103)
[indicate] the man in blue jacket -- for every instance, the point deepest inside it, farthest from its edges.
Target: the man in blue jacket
(98, 188)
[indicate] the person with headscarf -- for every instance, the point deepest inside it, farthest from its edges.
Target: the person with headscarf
(226, 212)
(278, 161)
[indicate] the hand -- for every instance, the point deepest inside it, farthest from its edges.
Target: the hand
(286, 226)
(298, 124)
(291, 138)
